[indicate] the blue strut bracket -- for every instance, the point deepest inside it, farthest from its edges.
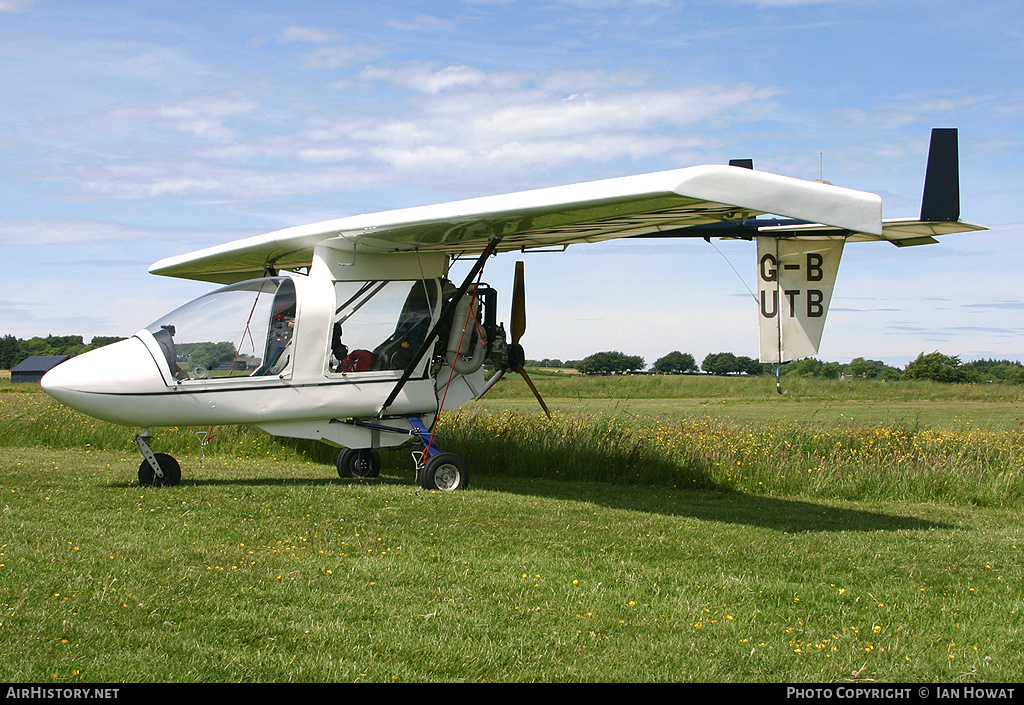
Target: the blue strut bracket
(423, 433)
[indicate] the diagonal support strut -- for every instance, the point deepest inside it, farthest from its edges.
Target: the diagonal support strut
(446, 312)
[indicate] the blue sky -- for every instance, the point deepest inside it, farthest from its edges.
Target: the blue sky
(134, 131)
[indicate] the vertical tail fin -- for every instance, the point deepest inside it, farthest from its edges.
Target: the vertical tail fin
(941, 200)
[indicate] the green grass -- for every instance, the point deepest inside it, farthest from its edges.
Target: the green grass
(757, 399)
(264, 566)
(759, 388)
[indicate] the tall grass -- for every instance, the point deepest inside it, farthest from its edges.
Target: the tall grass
(30, 419)
(964, 466)
(850, 460)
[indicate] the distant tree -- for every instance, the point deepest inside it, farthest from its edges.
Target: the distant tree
(675, 363)
(871, 369)
(723, 363)
(206, 355)
(996, 370)
(14, 350)
(750, 366)
(8, 352)
(811, 367)
(51, 345)
(939, 368)
(98, 341)
(610, 361)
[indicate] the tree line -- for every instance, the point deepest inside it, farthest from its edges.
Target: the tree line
(933, 366)
(14, 350)
(676, 362)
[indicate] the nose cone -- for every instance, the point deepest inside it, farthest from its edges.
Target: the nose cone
(99, 381)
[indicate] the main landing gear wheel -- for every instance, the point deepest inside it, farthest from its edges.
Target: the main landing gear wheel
(358, 462)
(168, 466)
(444, 471)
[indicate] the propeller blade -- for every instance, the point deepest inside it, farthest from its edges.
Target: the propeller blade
(518, 317)
(522, 371)
(517, 324)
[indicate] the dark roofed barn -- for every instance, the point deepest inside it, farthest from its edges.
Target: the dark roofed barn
(33, 368)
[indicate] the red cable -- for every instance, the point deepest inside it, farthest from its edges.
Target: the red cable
(451, 369)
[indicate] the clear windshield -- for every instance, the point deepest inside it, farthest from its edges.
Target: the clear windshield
(244, 329)
(380, 325)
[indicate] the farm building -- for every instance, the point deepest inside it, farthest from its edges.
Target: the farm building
(33, 368)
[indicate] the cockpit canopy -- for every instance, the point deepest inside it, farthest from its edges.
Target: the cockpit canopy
(244, 329)
(247, 329)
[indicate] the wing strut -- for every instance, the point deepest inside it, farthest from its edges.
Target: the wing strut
(446, 312)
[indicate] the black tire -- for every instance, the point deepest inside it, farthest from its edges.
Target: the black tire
(358, 462)
(445, 472)
(168, 465)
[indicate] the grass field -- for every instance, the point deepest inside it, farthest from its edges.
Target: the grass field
(824, 535)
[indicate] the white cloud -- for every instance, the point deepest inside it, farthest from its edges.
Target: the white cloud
(423, 22)
(460, 122)
(425, 79)
(37, 232)
(469, 116)
(309, 35)
(611, 4)
(915, 108)
(338, 55)
(792, 3)
(49, 231)
(329, 49)
(11, 6)
(533, 126)
(202, 116)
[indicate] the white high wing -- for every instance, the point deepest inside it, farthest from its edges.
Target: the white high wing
(349, 332)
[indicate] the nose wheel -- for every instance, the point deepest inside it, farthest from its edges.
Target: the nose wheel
(157, 469)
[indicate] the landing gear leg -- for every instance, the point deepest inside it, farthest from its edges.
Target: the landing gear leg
(157, 469)
(436, 470)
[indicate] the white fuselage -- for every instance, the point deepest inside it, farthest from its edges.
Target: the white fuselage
(134, 382)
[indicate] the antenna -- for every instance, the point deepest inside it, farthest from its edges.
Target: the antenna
(821, 169)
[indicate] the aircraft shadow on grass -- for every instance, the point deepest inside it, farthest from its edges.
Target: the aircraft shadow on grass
(726, 506)
(731, 507)
(697, 495)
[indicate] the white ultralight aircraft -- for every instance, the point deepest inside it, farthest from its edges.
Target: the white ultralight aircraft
(349, 332)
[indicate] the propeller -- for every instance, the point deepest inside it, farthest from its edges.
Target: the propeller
(517, 358)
